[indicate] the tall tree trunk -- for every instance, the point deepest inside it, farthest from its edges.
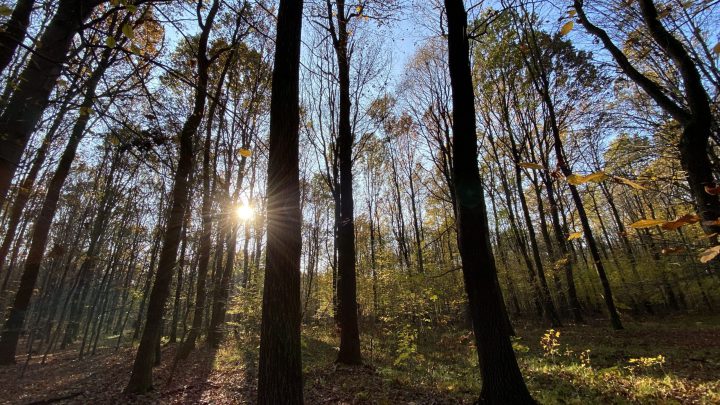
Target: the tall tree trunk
(280, 365)
(14, 31)
(349, 352)
(565, 261)
(35, 84)
(179, 281)
(540, 79)
(16, 316)
(25, 189)
(141, 377)
(502, 381)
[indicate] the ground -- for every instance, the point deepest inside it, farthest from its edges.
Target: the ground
(671, 360)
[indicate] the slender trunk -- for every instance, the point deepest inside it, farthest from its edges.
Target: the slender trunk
(141, 377)
(502, 381)
(349, 352)
(41, 229)
(25, 189)
(35, 84)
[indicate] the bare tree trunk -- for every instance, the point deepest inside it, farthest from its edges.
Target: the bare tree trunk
(141, 377)
(502, 381)
(280, 365)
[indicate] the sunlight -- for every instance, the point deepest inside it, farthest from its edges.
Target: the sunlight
(244, 212)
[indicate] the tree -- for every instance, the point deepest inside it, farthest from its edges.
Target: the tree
(694, 115)
(28, 101)
(280, 365)
(502, 381)
(16, 317)
(141, 377)
(14, 31)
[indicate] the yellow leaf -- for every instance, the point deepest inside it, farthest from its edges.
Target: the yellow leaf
(85, 111)
(531, 165)
(128, 31)
(596, 177)
(110, 42)
(709, 254)
(245, 152)
(716, 48)
(5, 11)
(566, 28)
(575, 235)
(630, 183)
(575, 179)
(646, 223)
(136, 50)
(560, 263)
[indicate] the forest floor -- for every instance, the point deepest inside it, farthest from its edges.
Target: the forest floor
(431, 367)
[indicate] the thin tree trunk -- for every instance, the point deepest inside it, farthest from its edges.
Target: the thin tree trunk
(16, 316)
(141, 377)
(35, 84)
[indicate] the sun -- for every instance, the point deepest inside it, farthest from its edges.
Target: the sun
(244, 212)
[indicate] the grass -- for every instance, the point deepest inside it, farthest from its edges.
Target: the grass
(620, 367)
(671, 360)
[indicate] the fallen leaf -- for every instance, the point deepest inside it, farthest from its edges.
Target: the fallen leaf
(680, 221)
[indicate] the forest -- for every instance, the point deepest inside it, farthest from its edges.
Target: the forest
(360, 202)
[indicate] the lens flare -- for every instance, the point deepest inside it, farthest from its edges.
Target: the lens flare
(244, 212)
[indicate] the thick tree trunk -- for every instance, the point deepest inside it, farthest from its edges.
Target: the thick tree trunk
(14, 31)
(280, 366)
(501, 378)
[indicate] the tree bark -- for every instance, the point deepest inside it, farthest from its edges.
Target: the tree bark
(14, 31)
(347, 290)
(280, 365)
(502, 382)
